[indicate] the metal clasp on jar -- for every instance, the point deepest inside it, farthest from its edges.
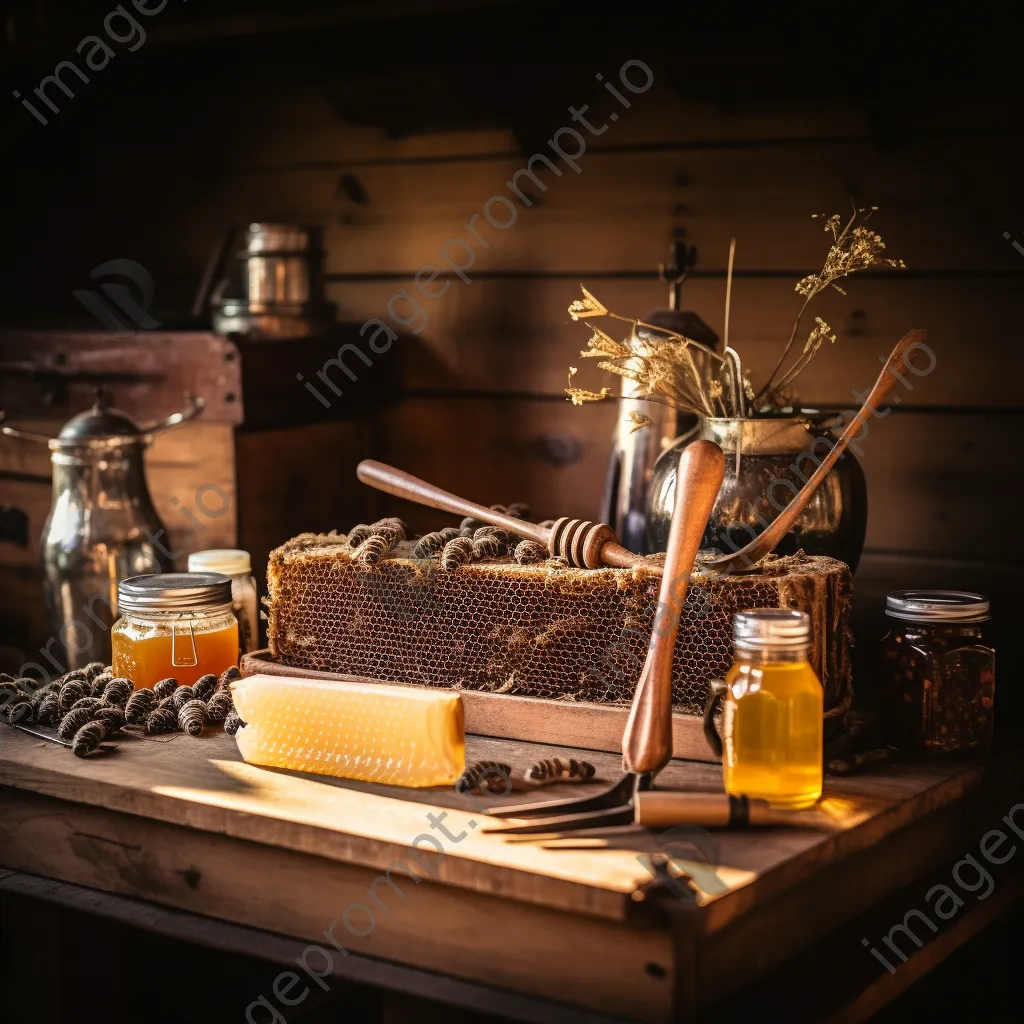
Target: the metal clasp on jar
(192, 641)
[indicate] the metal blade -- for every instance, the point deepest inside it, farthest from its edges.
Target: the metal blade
(591, 838)
(616, 796)
(622, 815)
(40, 735)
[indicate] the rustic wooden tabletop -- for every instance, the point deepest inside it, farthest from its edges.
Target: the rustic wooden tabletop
(410, 877)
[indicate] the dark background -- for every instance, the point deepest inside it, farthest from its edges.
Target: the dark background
(392, 123)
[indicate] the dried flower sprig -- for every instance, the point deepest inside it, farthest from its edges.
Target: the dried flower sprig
(639, 421)
(578, 396)
(820, 333)
(587, 306)
(662, 363)
(854, 248)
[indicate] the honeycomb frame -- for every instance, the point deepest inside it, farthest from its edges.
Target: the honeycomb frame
(542, 630)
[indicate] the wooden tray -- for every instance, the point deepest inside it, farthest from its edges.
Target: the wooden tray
(536, 719)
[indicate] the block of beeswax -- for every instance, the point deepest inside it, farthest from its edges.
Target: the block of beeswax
(396, 735)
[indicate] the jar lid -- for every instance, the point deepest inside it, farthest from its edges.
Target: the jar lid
(937, 606)
(774, 629)
(230, 561)
(174, 591)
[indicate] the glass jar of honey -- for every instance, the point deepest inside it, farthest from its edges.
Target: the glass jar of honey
(938, 673)
(174, 624)
(772, 711)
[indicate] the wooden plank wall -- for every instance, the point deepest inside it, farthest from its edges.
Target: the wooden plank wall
(481, 409)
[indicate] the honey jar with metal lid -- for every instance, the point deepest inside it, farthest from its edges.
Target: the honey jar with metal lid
(178, 625)
(938, 675)
(772, 711)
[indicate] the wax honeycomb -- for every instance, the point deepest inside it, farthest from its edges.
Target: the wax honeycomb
(543, 630)
(394, 735)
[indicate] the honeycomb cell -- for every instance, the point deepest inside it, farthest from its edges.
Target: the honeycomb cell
(540, 630)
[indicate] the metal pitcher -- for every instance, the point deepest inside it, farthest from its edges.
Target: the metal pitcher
(634, 452)
(102, 526)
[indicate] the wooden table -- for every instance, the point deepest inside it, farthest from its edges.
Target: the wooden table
(272, 860)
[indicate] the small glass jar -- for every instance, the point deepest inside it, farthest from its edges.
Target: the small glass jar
(174, 624)
(938, 675)
(237, 565)
(773, 711)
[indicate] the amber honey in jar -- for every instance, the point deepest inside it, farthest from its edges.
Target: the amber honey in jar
(174, 624)
(772, 711)
(938, 674)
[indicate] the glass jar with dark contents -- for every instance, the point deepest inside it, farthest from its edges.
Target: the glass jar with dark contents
(938, 676)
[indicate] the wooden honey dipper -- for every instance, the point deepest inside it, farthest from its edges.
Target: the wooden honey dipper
(592, 545)
(583, 544)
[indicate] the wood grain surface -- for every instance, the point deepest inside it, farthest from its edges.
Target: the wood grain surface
(202, 783)
(181, 821)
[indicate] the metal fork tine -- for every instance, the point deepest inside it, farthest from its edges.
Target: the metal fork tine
(621, 815)
(614, 796)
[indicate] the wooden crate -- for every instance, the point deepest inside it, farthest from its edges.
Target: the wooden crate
(282, 460)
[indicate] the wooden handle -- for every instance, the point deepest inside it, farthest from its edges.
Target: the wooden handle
(657, 808)
(583, 543)
(405, 485)
(892, 372)
(647, 741)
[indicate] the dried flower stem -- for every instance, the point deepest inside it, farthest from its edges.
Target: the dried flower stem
(728, 291)
(661, 364)
(667, 333)
(853, 248)
(785, 352)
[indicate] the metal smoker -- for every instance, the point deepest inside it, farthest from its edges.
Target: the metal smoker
(102, 526)
(634, 452)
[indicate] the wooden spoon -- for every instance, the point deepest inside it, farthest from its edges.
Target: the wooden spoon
(749, 555)
(647, 741)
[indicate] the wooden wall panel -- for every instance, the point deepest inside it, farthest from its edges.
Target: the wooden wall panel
(619, 213)
(307, 130)
(32, 496)
(481, 408)
(515, 335)
(546, 453)
(298, 480)
(191, 475)
(930, 475)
